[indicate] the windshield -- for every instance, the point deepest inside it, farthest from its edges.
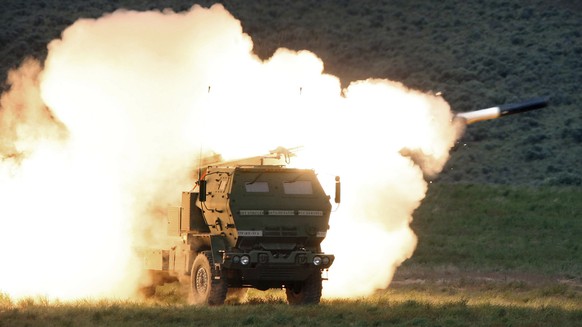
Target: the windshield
(257, 187)
(298, 187)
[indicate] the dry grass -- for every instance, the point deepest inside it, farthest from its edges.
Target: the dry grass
(433, 305)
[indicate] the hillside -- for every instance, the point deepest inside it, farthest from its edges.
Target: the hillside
(477, 53)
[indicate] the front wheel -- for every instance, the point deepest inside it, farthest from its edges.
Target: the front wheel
(204, 289)
(307, 292)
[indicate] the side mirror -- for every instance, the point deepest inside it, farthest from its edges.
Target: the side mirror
(338, 191)
(202, 193)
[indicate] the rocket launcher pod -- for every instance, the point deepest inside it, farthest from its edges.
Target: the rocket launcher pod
(471, 117)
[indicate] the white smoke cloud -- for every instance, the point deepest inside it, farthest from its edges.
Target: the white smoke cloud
(136, 97)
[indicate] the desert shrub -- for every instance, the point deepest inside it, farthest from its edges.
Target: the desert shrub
(5, 301)
(478, 135)
(529, 122)
(572, 133)
(487, 45)
(526, 13)
(517, 40)
(566, 178)
(534, 138)
(552, 169)
(536, 152)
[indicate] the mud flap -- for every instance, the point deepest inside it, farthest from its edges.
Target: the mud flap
(218, 248)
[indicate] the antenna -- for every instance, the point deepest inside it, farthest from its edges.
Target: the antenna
(201, 144)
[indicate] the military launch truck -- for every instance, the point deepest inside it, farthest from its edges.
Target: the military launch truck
(252, 223)
(255, 223)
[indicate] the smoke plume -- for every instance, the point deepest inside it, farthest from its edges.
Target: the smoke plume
(98, 140)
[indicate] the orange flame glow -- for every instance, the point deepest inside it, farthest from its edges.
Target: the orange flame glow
(136, 97)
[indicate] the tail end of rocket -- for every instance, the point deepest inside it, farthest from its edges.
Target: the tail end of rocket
(471, 117)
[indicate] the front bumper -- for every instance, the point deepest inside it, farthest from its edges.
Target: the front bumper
(266, 265)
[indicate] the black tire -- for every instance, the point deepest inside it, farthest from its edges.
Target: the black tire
(204, 289)
(308, 292)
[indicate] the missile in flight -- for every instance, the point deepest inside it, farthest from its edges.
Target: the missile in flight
(471, 117)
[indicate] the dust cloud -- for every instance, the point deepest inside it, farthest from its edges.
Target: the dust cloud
(101, 137)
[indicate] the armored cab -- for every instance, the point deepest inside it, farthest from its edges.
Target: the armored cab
(251, 226)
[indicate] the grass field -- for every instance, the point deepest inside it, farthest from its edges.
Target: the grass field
(490, 253)
(501, 229)
(377, 311)
(487, 256)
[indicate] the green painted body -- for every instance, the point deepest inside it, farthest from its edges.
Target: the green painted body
(275, 216)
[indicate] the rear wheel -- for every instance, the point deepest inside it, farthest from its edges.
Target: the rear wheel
(203, 287)
(308, 292)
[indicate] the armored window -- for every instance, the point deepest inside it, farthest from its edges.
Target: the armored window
(257, 187)
(298, 187)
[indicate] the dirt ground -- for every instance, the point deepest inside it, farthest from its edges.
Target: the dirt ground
(450, 275)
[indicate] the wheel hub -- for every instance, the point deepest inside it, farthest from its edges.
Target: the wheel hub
(201, 282)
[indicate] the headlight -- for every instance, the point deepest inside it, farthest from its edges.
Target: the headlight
(244, 260)
(325, 261)
(236, 259)
(317, 260)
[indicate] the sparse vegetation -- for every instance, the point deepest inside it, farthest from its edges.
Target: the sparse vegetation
(427, 305)
(479, 54)
(488, 254)
(505, 229)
